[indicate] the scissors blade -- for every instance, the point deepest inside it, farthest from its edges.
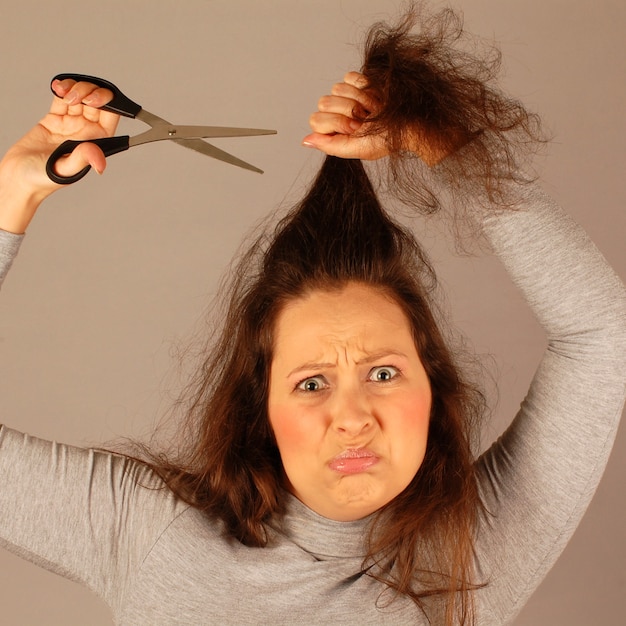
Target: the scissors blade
(172, 131)
(192, 132)
(162, 129)
(158, 123)
(209, 150)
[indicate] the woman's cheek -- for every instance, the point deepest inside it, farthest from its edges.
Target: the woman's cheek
(291, 431)
(414, 414)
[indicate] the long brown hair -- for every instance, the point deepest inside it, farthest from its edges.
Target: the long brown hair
(420, 544)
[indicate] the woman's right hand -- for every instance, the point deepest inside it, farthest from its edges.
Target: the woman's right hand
(73, 114)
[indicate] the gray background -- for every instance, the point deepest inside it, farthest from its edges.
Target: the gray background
(116, 273)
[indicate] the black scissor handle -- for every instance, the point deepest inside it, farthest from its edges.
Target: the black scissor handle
(121, 104)
(108, 145)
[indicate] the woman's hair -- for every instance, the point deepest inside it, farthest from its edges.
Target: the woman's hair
(421, 543)
(434, 81)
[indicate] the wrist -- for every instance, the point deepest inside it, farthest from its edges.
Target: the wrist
(15, 219)
(19, 200)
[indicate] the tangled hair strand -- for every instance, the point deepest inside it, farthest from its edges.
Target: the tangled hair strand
(434, 81)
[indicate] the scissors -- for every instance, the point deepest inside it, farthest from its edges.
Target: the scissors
(187, 136)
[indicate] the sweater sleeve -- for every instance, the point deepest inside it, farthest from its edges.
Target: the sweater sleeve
(90, 516)
(9, 245)
(537, 480)
(87, 515)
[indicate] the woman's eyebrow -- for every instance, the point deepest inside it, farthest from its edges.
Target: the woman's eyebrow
(311, 365)
(370, 358)
(381, 354)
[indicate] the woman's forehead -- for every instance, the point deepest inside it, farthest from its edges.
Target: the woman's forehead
(358, 318)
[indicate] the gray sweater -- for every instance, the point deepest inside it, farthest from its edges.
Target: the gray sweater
(97, 518)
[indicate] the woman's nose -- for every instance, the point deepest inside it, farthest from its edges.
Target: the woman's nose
(351, 413)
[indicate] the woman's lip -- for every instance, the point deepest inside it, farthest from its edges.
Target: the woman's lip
(353, 461)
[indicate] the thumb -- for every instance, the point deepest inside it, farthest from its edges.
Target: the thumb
(83, 155)
(367, 147)
(335, 145)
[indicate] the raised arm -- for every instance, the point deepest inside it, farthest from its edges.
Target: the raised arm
(537, 480)
(539, 477)
(58, 503)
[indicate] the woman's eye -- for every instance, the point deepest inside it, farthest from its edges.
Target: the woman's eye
(311, 384)
(383, 374)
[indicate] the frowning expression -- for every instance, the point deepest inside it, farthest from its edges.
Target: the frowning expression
(349, 400)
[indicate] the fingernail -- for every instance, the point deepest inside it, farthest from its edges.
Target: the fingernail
(308, 144)
(88, 100)
(355, 124)
(71, 97)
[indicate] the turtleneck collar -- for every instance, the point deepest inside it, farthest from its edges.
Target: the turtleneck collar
(323, 538)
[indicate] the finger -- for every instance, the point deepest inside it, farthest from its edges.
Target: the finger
(348, 107)
(347, 146)
(90, 114)
(98, 97)
(356, 79)
(75, 110)
(78, 92)
(106, 119)
(368, 104)
(335, 145)
(83, 155)
(333, 123)
(61, 87)
(58, 107)
(82, 92)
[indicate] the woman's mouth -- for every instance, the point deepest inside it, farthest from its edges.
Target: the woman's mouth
(353, 461)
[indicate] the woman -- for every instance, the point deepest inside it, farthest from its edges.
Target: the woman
(332, 478)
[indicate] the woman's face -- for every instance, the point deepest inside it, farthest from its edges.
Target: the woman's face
(349, 400)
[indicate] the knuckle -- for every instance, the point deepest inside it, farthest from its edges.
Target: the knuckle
(346, 128)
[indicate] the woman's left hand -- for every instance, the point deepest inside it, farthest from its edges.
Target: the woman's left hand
(341, 119)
